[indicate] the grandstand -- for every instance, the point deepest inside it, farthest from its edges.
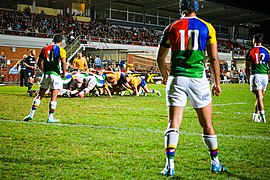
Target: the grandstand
(118, 29)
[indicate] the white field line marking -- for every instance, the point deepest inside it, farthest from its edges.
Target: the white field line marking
(134, 129)
(152, 108)
(228, 104)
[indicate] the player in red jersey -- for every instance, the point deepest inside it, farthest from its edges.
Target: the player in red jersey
(48, 63)
(257, 60)
(188, 38)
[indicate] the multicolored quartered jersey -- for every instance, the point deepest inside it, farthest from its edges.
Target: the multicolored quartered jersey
(52, 55)
(187, 39)
(259, 58)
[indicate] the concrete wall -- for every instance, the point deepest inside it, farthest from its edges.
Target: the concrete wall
(15, 47)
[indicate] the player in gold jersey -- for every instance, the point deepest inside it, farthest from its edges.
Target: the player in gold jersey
(138, 82)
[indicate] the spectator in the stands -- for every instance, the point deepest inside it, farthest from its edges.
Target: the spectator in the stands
(3, 60)
(97, 62)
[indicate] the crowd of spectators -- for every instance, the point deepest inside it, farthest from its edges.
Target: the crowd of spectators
(25, 23)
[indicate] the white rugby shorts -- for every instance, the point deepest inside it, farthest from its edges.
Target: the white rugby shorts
(51, 81)
(179, 89)
(90, 81)
(258, 82)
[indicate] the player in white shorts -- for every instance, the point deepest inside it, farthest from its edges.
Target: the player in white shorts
(180, 88)
(188, 38)
(258, 82)
(51, 81)
(257, 67)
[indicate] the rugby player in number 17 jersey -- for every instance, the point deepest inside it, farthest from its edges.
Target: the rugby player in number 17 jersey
(49, 59)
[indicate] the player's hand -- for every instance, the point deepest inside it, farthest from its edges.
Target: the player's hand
(164, 80)
(216, 90)
(63, 75)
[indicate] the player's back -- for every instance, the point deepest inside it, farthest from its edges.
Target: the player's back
(188, 38)
(259, 58)
(52, 55)
(135, 81)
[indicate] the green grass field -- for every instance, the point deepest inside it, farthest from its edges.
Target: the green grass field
(122, 138)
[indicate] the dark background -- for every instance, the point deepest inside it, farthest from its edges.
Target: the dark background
(258, 6)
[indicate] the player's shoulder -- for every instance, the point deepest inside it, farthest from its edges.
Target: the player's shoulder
(62, 49)
(205, 22)
(266, 49)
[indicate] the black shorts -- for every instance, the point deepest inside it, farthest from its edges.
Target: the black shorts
(30, 73)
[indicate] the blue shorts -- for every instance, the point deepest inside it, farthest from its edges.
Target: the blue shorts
(143, 82)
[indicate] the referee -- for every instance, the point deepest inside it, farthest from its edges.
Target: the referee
(30, 63)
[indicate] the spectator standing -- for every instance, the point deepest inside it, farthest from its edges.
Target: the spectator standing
(97, 62)
(122, 64)
(90, 62)
(242, 75)
(257, 67)
(3, 60)
(30, 63)
(22, 71)
(188, 38)
(110, 61)
(104, 62)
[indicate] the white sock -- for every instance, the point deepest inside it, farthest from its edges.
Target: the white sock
(35, 104)
(171, 140)
(211, 143)
(52, 108)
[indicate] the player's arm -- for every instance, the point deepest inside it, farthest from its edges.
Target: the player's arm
(163, 49)
(74, 64)
(247, 70)
(40, 64)
(127, 86)
(85, 65)
(27, 65)
(108, 72)
(108, 90)
(64, 66)
(162, 53)
(214, 68)
(63, 57)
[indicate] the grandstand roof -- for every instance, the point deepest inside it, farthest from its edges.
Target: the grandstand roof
(216, 12)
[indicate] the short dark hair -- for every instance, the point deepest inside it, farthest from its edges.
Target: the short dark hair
(258, 37)
(57, 38)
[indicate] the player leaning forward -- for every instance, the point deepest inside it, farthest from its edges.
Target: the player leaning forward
(48, 63)
(188, 38)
